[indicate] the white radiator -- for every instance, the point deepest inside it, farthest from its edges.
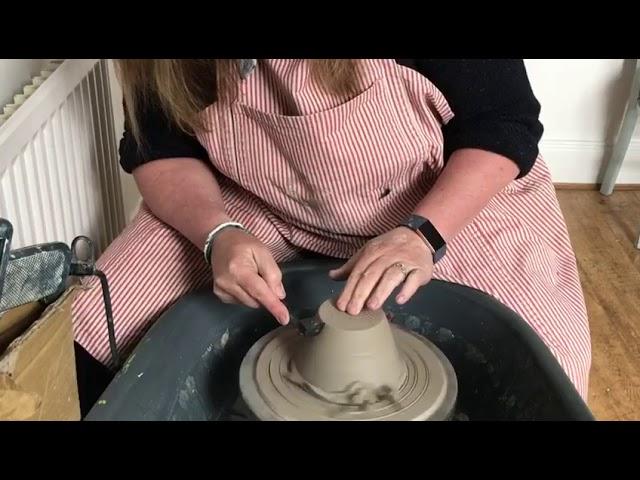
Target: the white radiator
(58, 160)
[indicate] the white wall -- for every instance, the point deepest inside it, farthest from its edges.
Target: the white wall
(14, 74)
(582, 105)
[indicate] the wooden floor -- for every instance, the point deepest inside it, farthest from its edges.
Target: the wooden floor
(604, 231)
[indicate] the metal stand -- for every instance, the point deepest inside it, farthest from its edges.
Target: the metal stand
(624, 137)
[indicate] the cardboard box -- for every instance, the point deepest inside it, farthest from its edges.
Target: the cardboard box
(37, 363)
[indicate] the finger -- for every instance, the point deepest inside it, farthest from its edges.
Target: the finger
(255, 286)
(356, 272)
(414, 280)
(391, 278)
(342, 272)
(225, 297)
(365, 285)
(269, 270)
(239, 296)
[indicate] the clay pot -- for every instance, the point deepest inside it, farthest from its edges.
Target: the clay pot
(350, 350)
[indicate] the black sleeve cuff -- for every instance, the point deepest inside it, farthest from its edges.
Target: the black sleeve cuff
(160, 140)
(493, 104)
(509, 139)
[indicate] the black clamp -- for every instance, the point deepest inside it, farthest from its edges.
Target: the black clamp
(83, 264)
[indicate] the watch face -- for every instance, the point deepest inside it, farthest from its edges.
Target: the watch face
(430, 234)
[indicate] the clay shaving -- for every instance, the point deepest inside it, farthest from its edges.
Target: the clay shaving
(357, 396)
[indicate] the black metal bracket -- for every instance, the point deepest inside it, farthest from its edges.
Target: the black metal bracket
(6, 234)
(83, 264)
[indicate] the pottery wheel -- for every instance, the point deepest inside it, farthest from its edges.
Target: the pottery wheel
(358, 368)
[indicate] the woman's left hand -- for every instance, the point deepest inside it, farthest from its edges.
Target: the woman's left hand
(385, 262)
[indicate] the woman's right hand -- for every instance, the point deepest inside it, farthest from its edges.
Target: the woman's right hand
(245, 272)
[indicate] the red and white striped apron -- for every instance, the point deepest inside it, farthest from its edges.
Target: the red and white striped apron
(306, 170)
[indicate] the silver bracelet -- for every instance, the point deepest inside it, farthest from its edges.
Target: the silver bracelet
(209, 242)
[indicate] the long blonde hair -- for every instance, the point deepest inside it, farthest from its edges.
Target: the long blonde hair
(185, 87)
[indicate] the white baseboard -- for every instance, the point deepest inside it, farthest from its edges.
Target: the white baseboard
(574, 161)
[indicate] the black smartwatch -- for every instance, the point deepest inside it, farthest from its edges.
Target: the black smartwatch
(429, 234)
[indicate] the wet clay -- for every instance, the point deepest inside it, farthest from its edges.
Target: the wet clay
(358, 368)
(351, 349)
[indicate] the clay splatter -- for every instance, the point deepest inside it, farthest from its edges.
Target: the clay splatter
(444, 335)
(412, 322)
(207, 352)
(183, 399)
(224, 339)
(508, 401)
(474, 354)
(126, 365)
(185, 394)
(190, 383)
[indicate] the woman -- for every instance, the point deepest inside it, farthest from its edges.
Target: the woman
(386, 163)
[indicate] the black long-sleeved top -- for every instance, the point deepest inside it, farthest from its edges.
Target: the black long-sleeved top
(492, 100)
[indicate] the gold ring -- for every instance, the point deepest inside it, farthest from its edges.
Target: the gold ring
(402, 268)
